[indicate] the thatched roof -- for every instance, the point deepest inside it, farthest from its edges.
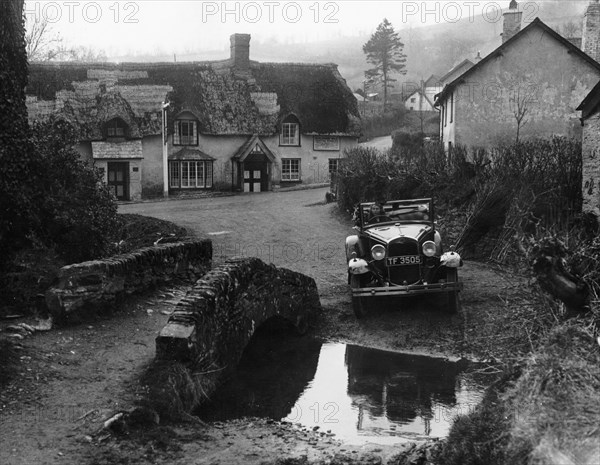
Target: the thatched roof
(224, 101)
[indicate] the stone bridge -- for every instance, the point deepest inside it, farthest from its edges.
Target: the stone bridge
(210, 326)
(219, 315)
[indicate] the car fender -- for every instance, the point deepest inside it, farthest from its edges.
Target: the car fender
(351, 246)
(437, 239)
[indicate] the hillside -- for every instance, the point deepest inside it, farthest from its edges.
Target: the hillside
(431, 49)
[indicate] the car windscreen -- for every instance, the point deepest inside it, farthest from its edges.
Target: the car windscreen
(395, 212)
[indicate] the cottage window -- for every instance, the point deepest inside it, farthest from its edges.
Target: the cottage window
(413, 100)
(290, 131)
(451, 106)
(290, 169)
(186, 132)
(191, 174)
(116, 128)
(334, 164)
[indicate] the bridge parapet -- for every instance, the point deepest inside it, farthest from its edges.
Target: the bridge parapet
(219, 315)
(83, 289)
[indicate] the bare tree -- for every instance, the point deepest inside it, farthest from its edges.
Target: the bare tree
(520, 99)
(569, 30)
(85, 54)
(41, 42)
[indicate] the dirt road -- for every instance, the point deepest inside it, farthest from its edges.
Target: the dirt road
(381, 143)
(71, 379)
(298, 230)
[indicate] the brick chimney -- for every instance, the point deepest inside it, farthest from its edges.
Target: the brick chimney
(590, 42)
(512, 21)
(240, 51)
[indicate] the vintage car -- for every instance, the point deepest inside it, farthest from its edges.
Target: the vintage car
(398, 252)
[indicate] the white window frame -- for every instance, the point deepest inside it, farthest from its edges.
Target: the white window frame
(188, 139)
(191, 174)
(290, 134)
(290, 169)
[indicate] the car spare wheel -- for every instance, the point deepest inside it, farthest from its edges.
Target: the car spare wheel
(358, 303)
(452, 298)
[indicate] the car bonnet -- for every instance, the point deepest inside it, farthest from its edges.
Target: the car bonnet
(388, 232)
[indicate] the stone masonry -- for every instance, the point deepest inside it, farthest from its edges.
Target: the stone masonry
(591, 165)
(219, 315)
(590, 42)
(83, 289)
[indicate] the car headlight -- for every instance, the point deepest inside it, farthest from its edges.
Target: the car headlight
(378, 252)
(429, 248)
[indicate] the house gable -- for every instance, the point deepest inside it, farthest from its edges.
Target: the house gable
(253, 145)
(536, 74)
(544, 30)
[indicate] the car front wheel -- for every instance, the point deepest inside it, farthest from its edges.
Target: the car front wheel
(358, 303)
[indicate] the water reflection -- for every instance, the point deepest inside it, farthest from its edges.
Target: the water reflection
(272, 374)
(360, 394)
(406, 393)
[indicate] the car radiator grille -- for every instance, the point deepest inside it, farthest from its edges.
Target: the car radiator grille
(409, 273)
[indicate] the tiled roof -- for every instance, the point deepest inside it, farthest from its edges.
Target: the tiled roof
(187, 153)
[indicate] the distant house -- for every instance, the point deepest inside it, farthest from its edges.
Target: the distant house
(432, 86)
(160, 128)
(418, 101)
(422, 98)
(530, 86)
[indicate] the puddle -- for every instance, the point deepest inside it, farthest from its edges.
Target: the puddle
(360, 394)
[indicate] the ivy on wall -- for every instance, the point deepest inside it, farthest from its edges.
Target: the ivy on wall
(17, 159)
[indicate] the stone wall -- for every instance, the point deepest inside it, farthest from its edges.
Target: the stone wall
(591, 165)
(219, 315)
(83, 289)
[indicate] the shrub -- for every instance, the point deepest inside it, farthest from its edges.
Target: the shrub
(76, 212)
(525, 188)
(369, 175)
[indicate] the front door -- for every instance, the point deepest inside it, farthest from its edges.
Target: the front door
(118, 180)
(256, 176)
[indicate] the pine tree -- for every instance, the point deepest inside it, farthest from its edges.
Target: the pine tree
(384, 50)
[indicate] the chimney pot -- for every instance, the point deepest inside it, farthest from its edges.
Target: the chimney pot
(512, 21)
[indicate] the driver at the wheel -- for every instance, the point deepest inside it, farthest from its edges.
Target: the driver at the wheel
(376, 214)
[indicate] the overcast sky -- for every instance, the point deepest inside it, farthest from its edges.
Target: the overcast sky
(186, 26)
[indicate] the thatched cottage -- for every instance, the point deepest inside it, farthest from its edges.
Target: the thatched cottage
(160, 128)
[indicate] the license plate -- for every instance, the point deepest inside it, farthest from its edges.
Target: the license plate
(404, 260)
